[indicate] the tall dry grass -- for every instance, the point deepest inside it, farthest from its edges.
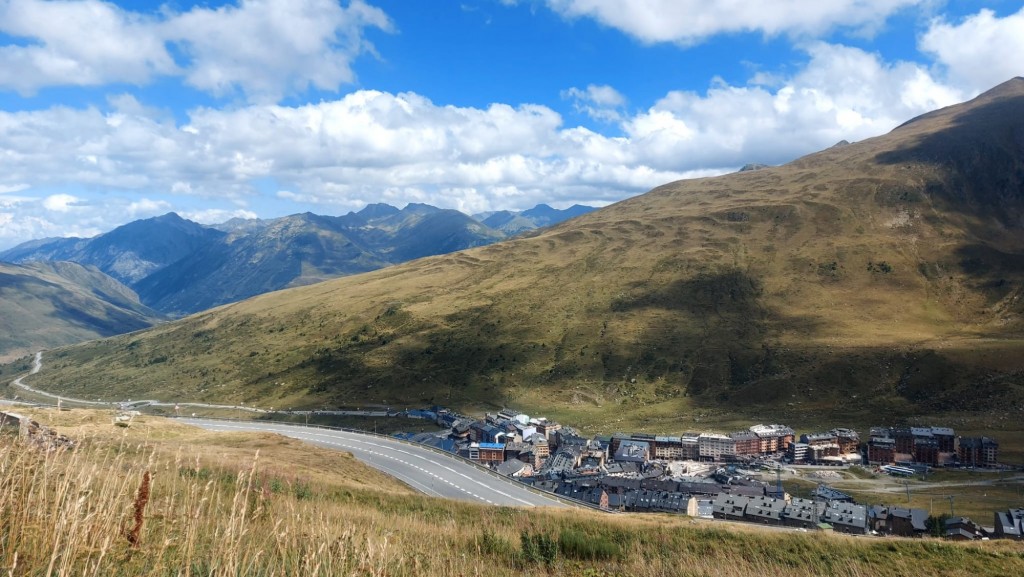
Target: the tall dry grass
(113, 509)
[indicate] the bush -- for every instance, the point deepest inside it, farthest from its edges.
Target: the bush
(575, 544)
(491, 544)
(539, 548)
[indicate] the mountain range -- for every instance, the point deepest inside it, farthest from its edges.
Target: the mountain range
(46, 305)
(180, 267)
(877, 282)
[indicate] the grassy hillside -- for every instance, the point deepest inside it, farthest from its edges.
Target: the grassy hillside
(160, 498)
(873, 282)
(44, 305)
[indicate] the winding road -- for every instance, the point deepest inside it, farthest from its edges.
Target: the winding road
(435, 474)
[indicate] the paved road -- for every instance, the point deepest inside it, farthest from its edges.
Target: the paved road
(37, 365)
(429, 472)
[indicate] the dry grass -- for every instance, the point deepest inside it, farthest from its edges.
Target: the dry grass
(77, 512)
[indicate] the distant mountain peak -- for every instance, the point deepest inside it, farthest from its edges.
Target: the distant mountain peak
(377, 210)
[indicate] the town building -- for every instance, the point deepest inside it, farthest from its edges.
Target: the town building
(819, 439)
(801, 513)
(881, 451)
(747, 443)
(631, 451)
(716, 447)
(899, 521)
(946, 438)
(963, 529)
(774, 438)
(669, 448)
(847, 439)
(690, 443)
(979, 452)
(1009, 524)
(846, 517)
(729, 507)
(491, 453)
(797, 452)
(926, 450)
(765, 511)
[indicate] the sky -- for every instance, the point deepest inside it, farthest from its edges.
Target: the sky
(116, 111)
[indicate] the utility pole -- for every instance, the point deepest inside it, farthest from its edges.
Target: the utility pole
(906, 484)
(951, 499)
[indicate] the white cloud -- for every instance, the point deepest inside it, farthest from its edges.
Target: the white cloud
(78, 42)
(15, 187)
(145, 207)
(265, 49)
(842, 93)
(981, 51)
(372, 146)
(217, 215)
(61, 202)
(270, 48)
(688, 22)
(601, 102)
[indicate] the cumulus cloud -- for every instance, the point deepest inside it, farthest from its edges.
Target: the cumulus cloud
(688, 22)
(78, 42)
(264, 49)
(147, 207)
(371, 146)
(60, 202)
(269, 48)
(981, 51)
(842, 93)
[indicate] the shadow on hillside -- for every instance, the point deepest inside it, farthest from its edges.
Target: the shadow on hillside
(982, 154)
(996, 273)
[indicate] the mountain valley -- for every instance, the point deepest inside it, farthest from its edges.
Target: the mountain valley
(879, 280)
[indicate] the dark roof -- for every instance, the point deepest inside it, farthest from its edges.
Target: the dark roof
(511, 467)
(918, 517)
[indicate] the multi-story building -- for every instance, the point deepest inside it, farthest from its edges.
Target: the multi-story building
(881, 451)
(904, 439)
(546, 427)
(690, 443)
(747, 443)
(946, 438)
(615, 441)
(797, 452)
(541, 449)
(926, 450)
(716, 447)
(819, 439)
(822, 453)
(979, 452)
(651, 440)
(774, 438)
(848, 440)
(670, 448)
(633, 451)
(491, 453)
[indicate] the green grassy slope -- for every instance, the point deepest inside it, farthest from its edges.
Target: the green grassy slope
(873, 282)
(45, 305)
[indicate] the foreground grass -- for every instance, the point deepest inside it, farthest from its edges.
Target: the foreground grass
(149, 500)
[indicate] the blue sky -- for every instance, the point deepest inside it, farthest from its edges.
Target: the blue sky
(111, 112)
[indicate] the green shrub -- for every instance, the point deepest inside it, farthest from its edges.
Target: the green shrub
(575, 544)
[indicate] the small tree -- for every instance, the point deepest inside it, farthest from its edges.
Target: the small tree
(936, 525)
